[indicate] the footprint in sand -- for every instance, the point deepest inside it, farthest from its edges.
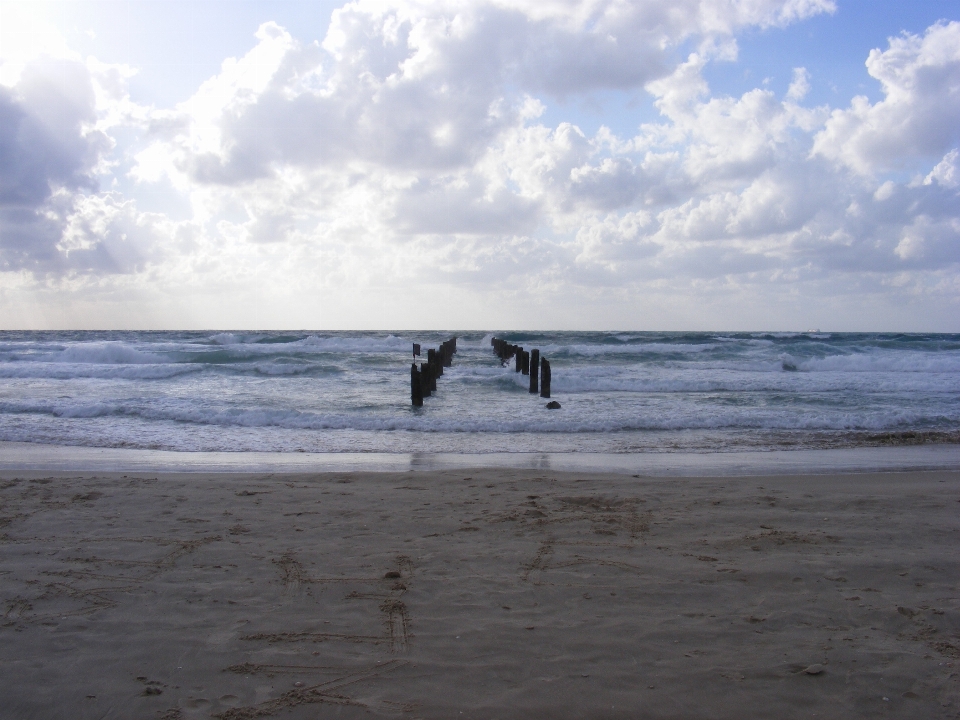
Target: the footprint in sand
(194, 703)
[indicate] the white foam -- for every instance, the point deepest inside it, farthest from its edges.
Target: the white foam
(901, 362)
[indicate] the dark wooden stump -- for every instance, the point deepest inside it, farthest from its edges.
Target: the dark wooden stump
(425, 380)
(544, 378)
(416, 396)
(534, 371)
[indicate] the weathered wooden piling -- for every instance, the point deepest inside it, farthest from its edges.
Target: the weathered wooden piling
(502, 348)
(505, 350)
(423, 381)
(425, 388)
(416, 395)
(534, 370)
(544, 378)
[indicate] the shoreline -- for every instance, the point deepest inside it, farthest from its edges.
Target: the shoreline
(18, 456)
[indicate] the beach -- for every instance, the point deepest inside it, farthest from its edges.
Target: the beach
(489, 592)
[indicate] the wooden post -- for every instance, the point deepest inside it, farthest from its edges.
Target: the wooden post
(534, 370)
(424, 380)
(544, 378)
(416, 396)
(432, 364)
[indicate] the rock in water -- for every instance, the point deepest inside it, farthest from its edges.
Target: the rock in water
(553, 405)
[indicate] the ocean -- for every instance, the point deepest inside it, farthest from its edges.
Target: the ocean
(349, 392)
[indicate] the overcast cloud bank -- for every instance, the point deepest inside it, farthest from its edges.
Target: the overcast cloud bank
(348, 183)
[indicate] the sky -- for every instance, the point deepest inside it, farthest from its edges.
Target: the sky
(494, 164)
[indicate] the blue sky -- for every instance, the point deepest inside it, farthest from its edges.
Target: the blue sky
(761, 164)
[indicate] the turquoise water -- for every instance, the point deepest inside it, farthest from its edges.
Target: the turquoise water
(349, 391)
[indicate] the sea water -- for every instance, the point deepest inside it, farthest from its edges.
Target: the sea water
(350, 391)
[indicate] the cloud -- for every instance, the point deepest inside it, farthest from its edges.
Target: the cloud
(946, 173)
(410, 147)
(426, 86)
(800, 85)
(919, 116)
(423, 119)
(48, 152)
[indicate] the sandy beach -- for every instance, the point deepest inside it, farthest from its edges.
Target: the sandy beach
(488, 593)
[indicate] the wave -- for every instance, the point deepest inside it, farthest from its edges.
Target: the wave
(715, 377)
(71, 371)
(589, 350)
(246, 346)
(66, 371)
(686, 419)
(222, 349)
(107, 353)
(901, 362)
(232, 338)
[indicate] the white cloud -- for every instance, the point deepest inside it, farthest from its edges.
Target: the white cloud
(947, 171)
(26, 36)
(410, 147)
(800, 85)
(919, 115)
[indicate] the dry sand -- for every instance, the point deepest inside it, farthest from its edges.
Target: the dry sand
(479, 594)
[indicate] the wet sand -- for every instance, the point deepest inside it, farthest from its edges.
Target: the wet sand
(490, 593)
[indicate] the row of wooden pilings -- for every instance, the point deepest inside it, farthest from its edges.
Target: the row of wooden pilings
(423, 380)
(528, 363)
